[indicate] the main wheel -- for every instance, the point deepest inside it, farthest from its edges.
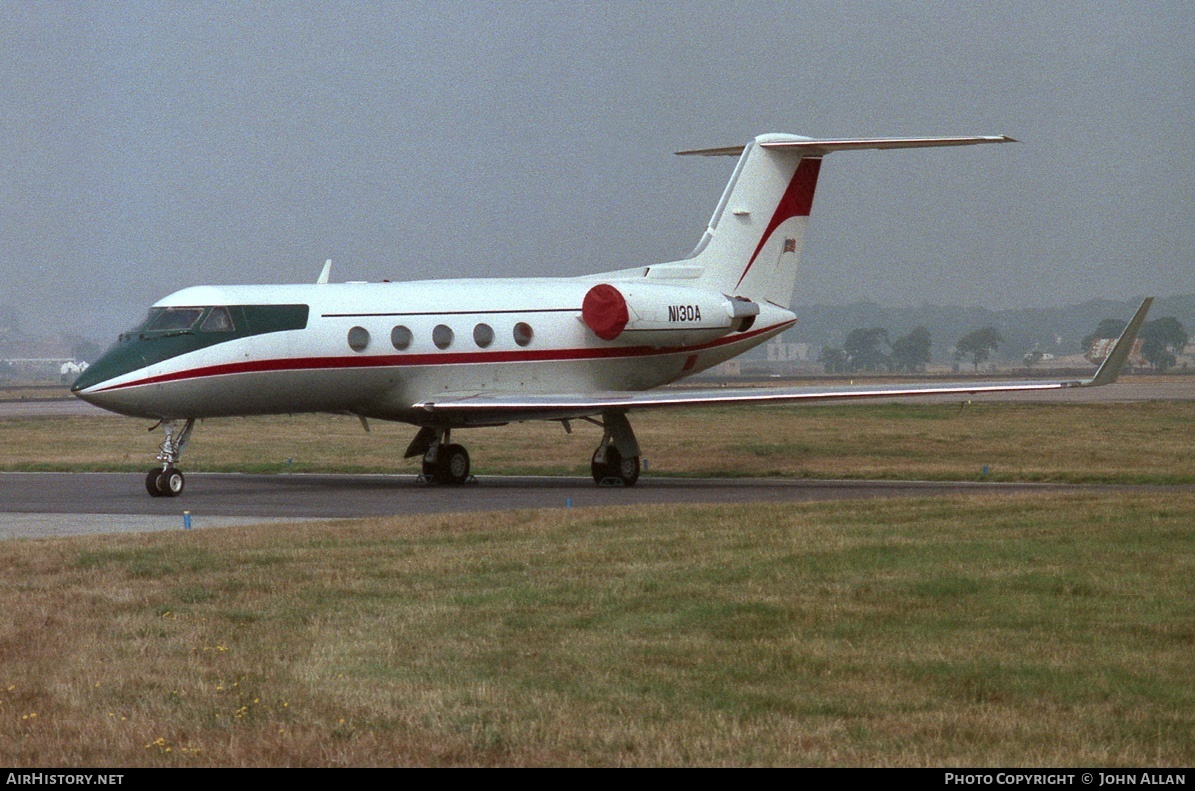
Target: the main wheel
(171, 482)
(598, 469)
(625, 470)
(450, 467)
(153, 482)
(455, 464)
(621, 469)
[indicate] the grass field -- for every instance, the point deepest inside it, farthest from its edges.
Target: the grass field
(1041, 630)
(1112, 443)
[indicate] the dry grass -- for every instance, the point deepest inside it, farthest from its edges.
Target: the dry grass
(1127, 443)
(1045, 630)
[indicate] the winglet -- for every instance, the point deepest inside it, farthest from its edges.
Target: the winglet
(1110, 369)
(323, 275)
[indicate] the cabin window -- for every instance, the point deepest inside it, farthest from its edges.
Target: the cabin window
(175, 319)
(358, 339)
(523, 333)
(219, 320)
(483, 335)
(401, 337)
(442, 336)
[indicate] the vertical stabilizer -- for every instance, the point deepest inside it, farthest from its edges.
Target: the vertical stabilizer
(752, 246)
(753, 243)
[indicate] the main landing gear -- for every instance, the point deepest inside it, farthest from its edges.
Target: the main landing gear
(616, 460)
(167, 480)
(614, 463)
(443, 462)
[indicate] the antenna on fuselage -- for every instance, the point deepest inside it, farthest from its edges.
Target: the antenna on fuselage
(323, 275)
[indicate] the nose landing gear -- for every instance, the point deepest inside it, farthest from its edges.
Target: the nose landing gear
(168, 480)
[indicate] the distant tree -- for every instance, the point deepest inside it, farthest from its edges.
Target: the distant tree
(833, 359)
(978, 345)
(1161, 340)
(1033, 358)
(863, 349)
(1107, 328)
(911, 352)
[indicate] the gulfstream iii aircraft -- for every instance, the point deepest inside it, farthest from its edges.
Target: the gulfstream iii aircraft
(444, 355)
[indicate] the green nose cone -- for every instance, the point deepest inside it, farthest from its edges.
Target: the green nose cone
(120, 359)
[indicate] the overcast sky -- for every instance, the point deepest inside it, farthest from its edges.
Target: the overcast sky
(146, 147)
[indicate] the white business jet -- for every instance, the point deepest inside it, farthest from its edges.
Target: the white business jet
(451, 354)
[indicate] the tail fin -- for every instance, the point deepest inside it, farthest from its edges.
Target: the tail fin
(755, 251)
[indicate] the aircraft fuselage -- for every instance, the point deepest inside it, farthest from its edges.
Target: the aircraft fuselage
(377, 349)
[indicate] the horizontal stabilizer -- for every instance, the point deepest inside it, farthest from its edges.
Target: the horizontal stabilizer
(810, 147)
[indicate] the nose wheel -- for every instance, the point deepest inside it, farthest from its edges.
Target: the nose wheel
(165, 483)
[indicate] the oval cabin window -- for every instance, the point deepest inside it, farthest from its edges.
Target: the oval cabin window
(523, 333)
(401, 338)
(442, 336)
(358, 339)
(483, 335)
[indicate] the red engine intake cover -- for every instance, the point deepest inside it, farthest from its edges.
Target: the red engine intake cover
(604, 311)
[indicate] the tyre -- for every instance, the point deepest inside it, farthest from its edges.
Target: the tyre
(455, 461)
(621, 469)
(153, 483)
(171, 482)
(624, 469)
(598, 469)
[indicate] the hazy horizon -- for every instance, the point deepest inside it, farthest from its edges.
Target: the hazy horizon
(149, 147)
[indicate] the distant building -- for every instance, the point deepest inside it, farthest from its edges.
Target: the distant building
(780, 352)
(1100, 348)
(72, 368)
(43, 367)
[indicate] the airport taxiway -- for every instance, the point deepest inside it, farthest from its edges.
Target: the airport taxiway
(54, 504)
(50, 504)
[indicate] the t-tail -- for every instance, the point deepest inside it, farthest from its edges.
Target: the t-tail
(753, 243)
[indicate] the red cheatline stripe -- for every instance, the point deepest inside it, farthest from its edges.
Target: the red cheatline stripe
(456, 358)
(797, 202)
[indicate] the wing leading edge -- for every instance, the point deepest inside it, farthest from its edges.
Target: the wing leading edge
(565, 405)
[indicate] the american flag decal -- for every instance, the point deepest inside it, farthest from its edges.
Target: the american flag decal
(790, 245)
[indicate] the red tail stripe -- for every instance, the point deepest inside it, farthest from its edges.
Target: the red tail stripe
(797, 202)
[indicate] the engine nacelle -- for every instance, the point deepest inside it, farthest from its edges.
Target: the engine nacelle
(654, 314)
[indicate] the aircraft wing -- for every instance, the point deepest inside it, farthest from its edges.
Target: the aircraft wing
(574, 405)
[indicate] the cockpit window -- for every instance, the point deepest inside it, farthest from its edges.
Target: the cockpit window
(219, 320)
(174, 319)
(236, 320)
(145, 322)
